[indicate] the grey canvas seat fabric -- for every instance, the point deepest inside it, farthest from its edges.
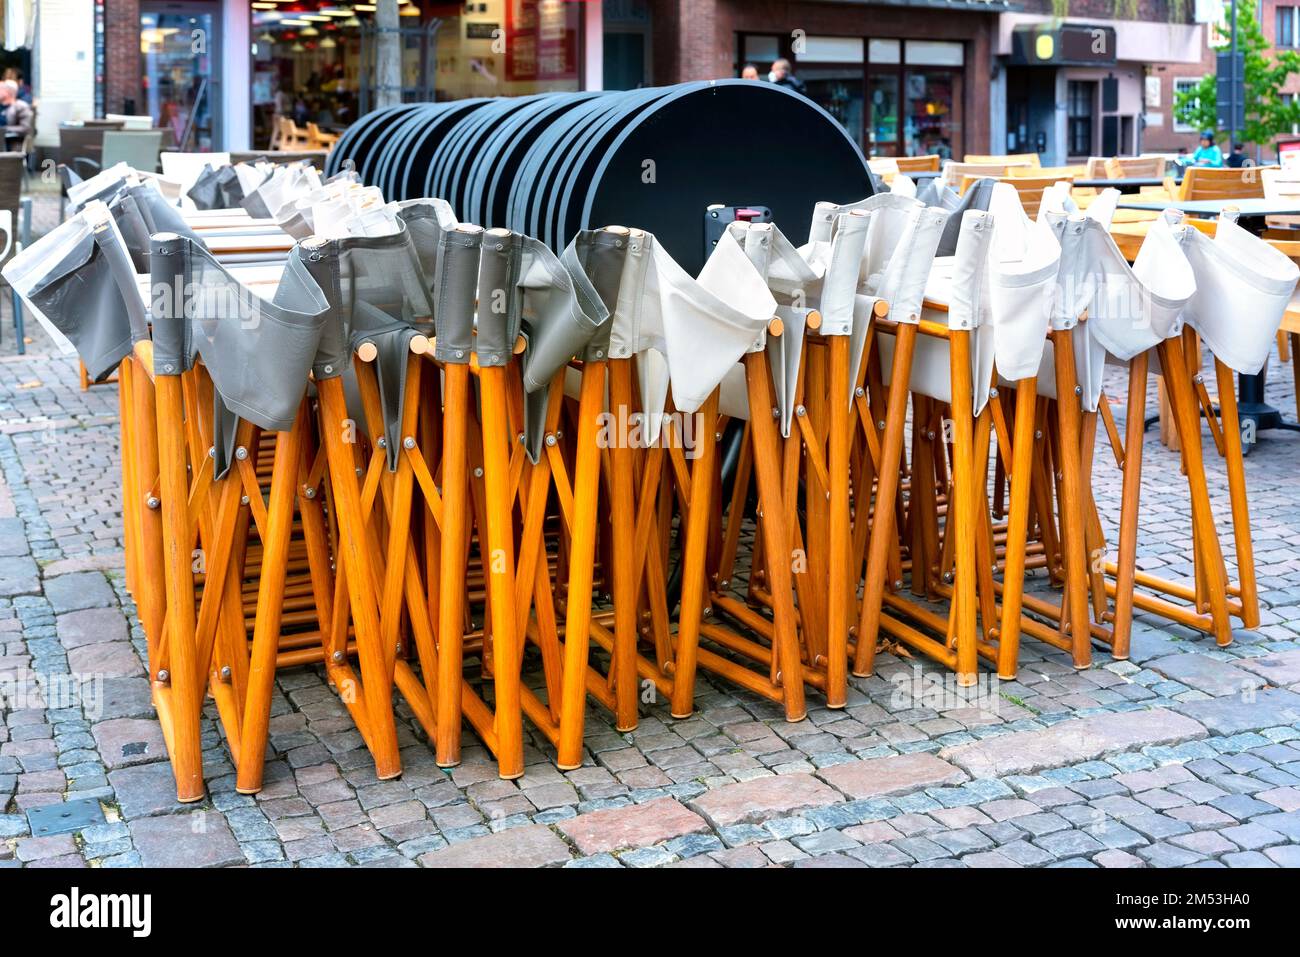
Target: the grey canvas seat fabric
(426, 220)
(78, 280)
(229, 187)
(561, 306)
(455, 291)
(206, 191)
(376, 292)
(141, 211)
(257, 352)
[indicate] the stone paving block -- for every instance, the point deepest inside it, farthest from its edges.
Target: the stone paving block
(1206, 674)
(896, 774)
(1247, 859)
(1071, 741)
(197, 839)
(1117, 859)
(534, 845)
(127, 741)
(144, 789)
(91, 626)
(1286, 855)
(77, 591)
(1281, 668)
(1252, 836)
(1232, 715)
(636, 825)
(753, 801)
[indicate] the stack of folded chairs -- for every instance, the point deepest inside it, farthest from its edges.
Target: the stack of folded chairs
(499, 481)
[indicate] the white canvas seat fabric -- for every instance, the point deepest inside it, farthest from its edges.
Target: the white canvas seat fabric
(1243, 287)
(684, 330)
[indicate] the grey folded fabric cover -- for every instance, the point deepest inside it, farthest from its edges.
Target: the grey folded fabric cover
(977, 197)
(90, 295)
(258, 353)
(206, 191)
(376, 292)
(455, 289)
(229, 188)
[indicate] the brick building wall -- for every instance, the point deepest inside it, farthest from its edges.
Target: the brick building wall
(122, 55)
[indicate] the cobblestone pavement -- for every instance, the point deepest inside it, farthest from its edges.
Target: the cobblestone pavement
(1185, 755)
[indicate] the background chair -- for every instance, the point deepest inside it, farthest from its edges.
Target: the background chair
(81, 146)
(1006, 159)
(1201, 182)
(12, 168)
(139, 149)
(930, 162)
(1030, 189)
(953, 172)
(1126, 167)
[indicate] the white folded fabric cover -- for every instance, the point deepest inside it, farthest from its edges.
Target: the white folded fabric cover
(686, 331)
(1243, 287)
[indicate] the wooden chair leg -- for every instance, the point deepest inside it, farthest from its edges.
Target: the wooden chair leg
(1208, 552)
(357, 568)
(270, 607)
(1237, 492)
(1069, 415)
(695, 545)
(577, 628)
(785, 642)
(499, 570)
(180, 693)
(452, 562)
(1130, 499)
(839, 532)
(882, 531)
(1013, 576)
(962, 516)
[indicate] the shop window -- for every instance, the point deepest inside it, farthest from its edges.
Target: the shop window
(882, 89)
(760, 50)
(932, 114)
(1081, 96)
(1182, 117)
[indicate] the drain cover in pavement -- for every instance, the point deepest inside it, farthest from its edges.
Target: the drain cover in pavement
(64, 817)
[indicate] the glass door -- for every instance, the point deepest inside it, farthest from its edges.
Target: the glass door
(180, 72)
(838, 91)
(882, 89)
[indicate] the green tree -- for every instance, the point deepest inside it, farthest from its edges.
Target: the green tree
(1266, 113)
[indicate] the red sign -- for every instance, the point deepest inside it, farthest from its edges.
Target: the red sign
(541, 40)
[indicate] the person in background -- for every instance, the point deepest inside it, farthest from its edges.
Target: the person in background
(19, 120)
(781, 75)
(24, 88)
(1207, 154)
(749, 72)
(1237, 158)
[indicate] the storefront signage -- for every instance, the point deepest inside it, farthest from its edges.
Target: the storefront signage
(1069, 44)
(541, 40)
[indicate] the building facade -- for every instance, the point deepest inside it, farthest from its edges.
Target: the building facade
(1064, 78)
